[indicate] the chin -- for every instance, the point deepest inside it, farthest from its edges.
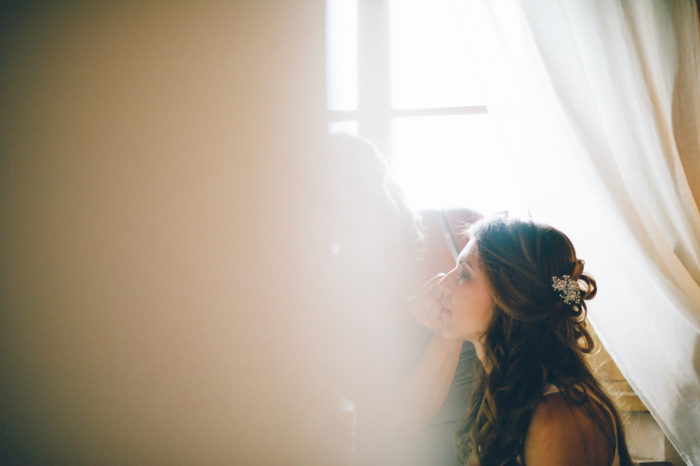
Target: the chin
(449, 334)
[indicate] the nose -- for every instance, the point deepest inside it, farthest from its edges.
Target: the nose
(442, 285)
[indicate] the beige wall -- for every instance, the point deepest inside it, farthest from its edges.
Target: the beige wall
(158, 169)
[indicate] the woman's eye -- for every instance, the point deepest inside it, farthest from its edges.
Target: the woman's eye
(464, 274)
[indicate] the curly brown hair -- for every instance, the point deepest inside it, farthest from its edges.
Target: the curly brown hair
(534, 339)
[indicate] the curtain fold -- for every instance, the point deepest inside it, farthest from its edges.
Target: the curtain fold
(598, 102)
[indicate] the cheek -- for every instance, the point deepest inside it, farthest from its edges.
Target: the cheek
(473, 317)
(486, 315)
(485, 306)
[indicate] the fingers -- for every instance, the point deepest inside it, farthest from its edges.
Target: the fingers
(426, 307)
(424, 302)
(428, 287)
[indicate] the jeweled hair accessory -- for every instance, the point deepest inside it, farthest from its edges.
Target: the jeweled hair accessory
(570, 291)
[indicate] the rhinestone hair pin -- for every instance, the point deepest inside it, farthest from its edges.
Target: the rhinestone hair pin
(568, 288)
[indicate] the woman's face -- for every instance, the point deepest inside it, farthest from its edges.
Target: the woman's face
(467, 304)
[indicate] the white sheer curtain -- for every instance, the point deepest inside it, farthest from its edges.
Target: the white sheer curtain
(599, 102)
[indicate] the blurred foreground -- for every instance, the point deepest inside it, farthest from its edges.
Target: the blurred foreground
(161, 240)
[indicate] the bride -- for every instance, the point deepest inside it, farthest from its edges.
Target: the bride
(518, 293)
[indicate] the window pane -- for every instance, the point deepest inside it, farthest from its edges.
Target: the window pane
(345, 126)
(454, 161)
(341, 54)
(430, 60)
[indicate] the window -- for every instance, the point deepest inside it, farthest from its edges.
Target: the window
(400, 74)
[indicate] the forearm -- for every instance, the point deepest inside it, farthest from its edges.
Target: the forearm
(419, 396)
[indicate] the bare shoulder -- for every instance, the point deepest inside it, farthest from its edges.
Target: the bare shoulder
(562, 433)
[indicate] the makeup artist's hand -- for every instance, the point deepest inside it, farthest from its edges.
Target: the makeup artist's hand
(425, 305)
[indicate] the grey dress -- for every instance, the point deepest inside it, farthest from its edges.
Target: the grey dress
(377, 445)
(405, 345)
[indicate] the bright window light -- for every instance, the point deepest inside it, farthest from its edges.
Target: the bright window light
(345, 126)
(452, 155)
(455, 161)
(341, 54)
(430, 62)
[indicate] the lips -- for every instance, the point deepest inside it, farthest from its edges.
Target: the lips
(445, 310)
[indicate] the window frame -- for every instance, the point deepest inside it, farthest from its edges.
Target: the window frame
(374, 114)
